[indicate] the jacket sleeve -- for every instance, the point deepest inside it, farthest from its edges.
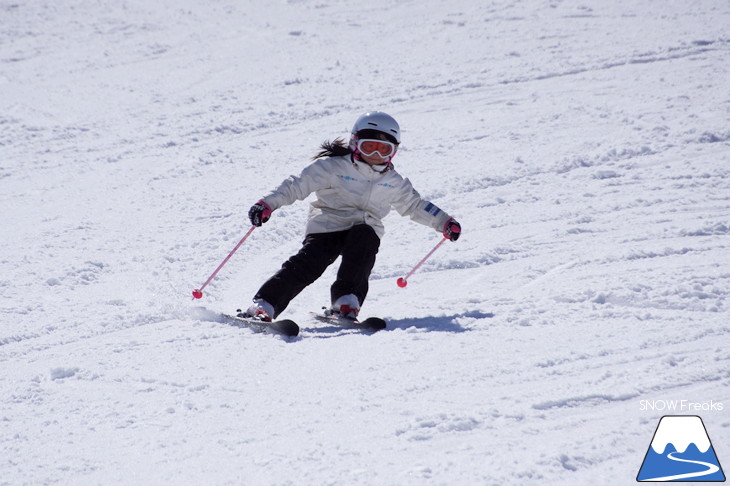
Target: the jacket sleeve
(296, 188)
(410, 203)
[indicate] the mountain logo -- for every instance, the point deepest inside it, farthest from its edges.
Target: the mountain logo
(681, 451)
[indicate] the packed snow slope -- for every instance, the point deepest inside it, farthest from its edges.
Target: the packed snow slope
(583, 145)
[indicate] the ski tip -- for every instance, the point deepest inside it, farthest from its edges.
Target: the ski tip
(286, 327)
(374, 324)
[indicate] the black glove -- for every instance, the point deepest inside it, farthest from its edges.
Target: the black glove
(259, 213)
(452, 230)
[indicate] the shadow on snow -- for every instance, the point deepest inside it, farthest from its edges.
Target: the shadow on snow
(437, 323)
(429, 324)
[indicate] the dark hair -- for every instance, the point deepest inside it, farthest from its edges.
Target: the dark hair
(336, 148)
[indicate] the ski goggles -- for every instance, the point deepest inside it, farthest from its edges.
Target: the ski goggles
(369, 147)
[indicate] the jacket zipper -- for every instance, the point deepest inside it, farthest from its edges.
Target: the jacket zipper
(371, 184)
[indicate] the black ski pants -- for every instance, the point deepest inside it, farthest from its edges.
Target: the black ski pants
(358, 247)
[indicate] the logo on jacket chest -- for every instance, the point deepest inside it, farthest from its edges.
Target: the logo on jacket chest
(359, 184)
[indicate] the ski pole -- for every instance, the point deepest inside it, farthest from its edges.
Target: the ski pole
(198, 293)
(403, 281)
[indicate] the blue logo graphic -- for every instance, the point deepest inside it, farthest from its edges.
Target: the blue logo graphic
(432, 209)
(681, 451)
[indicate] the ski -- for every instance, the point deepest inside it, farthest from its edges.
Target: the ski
(285, 327)
(372, 324)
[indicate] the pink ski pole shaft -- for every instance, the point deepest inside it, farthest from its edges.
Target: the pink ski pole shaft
(403, 281)
(198, 293)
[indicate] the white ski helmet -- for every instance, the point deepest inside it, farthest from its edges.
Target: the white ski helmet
(379, 121)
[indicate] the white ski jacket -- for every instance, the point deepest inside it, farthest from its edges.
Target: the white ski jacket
(354, 193)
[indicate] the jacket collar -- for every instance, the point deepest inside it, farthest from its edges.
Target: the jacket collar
(365, 167)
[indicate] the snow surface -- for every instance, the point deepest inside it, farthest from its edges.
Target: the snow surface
(583, 145)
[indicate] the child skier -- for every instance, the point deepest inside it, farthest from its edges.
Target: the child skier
(356, 187)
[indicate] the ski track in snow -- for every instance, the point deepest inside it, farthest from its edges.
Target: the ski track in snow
(584, 147)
